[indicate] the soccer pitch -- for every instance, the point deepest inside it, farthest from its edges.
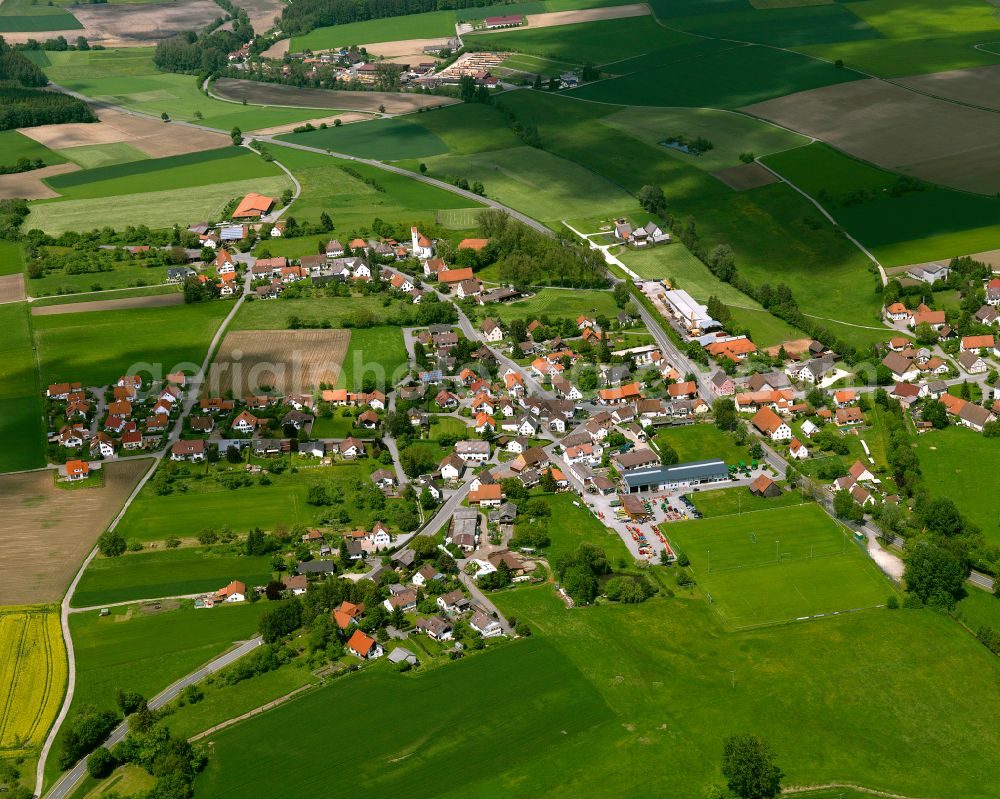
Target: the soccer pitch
(779, 565)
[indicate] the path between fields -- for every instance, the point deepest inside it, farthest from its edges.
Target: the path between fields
(850, 786)
(66, 610)
(250, 713)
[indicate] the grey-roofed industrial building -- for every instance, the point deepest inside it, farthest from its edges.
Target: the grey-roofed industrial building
(680, 475)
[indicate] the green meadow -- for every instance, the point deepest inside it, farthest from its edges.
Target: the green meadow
(206, 503)
(22, 435)
(950, 460)
(729, 501)
(190, 170)
(588, 718)
(155, 209)
(134, 650)
(698, 442)
(571, 524)
(97, 347)
(14, 146)
(377, 352)
(353, 204)
(274, 315)
(558, 304)
(384, 139)
(914, 227)
(166, 572)
(89, 156)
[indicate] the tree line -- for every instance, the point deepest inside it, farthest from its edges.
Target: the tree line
(305, 15)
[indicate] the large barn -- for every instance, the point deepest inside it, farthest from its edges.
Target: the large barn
(680, 475)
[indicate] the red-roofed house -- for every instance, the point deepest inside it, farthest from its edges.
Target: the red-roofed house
(364, 646)
(771, 425)
(253, 206)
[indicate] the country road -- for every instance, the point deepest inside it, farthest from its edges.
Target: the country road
(68, 782)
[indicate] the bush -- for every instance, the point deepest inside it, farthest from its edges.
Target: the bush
(101, 763)
(892, 603)
(111, 544)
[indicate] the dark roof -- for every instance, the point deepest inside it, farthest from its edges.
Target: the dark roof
(696, 470)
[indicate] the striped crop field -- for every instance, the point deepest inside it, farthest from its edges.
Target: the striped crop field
(32, 675)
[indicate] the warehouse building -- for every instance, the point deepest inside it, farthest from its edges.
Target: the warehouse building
(680, 475)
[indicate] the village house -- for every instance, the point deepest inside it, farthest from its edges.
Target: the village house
(188, 451)
(364, 646)
(234, 592)
(771, 425)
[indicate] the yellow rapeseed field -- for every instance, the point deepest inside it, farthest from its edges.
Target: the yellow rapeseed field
(32, 675)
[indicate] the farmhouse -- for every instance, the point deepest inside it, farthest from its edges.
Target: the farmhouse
(253, 206)
(234, 592)
(681, 475)
(771, 425)
(77, 470)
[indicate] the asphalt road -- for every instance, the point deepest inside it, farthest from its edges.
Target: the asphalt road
(68, 782)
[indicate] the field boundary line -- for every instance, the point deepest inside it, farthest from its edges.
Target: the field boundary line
(848, 785)
(250, 713)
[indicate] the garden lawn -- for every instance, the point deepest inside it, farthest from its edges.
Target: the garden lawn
(22, 435)
(353, 204)
(952, 461)
(557, 708)
(383, 139)
(557, 304)
(731, 134)
(375, 352)
(166, 572)
(536, 182)
(572, 524)
(98, 347)
(128, 78)
(449, 426)
(698, 442)
(14, 146)
(208, 504)
(155, 209)
(729, 501)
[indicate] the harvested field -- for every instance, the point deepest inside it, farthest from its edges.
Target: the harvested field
(39, 517)
(796, 347)
(745, 176)
(976, 86)
(286, 360)
(154, 301)
(29, 186)
(261, 13)
(888, 125)
(346, 118)
(11, 288)
(407, 48)
(148, 135)
(553, 19)
(257, 93)
(278, 49)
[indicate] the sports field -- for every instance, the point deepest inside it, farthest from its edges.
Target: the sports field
(777, 566)
(32, 675)
(97, 348)
(166, 572)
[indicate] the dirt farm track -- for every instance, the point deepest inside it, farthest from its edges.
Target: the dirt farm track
(47, 530)
(276, 94)
(286, 360)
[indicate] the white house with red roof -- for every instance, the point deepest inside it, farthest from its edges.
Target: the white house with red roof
(423, 247)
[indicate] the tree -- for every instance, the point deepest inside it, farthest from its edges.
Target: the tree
(668, 455)
(101, 763)
(935, 412)
(935, 575)
(941, 517)
(424, 546)
(325, 223)
(537, 84)
(318, 495)
(237, 136)
(748, 766)
(580, 584)
(129, 701)
(724, 411)
(846, 508)
(652, 199)
(925, 334)
(111, 544)
(165, 116)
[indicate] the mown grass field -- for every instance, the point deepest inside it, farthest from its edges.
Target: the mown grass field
(21, 432)
(571, 524)
(32, 675)
(156, 209)
(94, 296)
(124, 276)
(377, 352)
(166, 572)
(205, 503)
(777, 566)
(499, 733)
(468, 128)
(384, 139)
(353, 204)
(536, 182)
(190, 170)
(558, 304)
(128, 78)
(98, 347)
(90, 156)
(950, 460)
(274, 315)
(11, 261)
(739, 500)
